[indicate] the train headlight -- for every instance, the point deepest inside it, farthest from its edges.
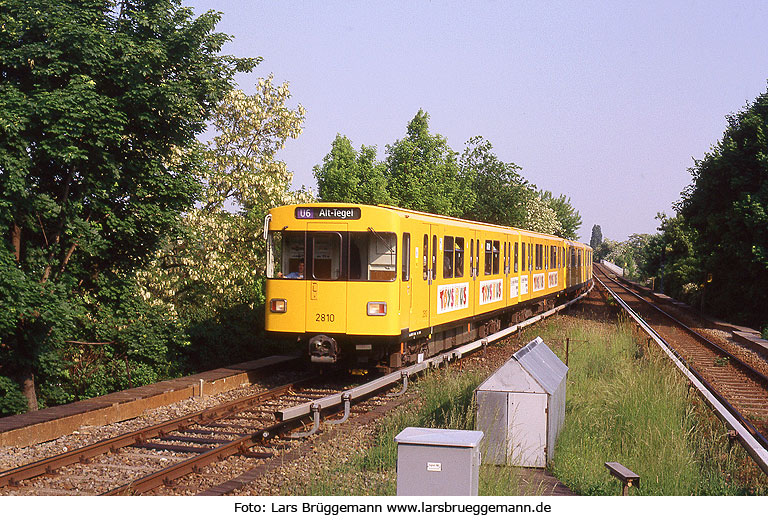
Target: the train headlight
(278, 305)
(377, 309)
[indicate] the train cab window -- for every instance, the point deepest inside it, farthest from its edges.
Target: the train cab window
(372, 256)
(516, 256)
(425, 258)
(406, 257)
(447, 257)
(458, 250)
(285, 255)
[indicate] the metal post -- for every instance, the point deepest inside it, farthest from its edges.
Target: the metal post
(315, 408)
(346, 398)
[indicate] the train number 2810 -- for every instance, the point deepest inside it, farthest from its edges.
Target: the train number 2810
(324, 317)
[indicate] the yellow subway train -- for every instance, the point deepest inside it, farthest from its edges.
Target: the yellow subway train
(383, 287)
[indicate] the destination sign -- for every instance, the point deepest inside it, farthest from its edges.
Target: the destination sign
(325, 212)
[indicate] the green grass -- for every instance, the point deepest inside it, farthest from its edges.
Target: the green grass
(625, 403)
(629, 404)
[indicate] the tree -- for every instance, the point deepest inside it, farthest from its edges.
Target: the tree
(422, 173)
(94, 103)
(499, 192)
(727, 206)
(216, 265)
(567, 215)
(351, 177)
(596, 238)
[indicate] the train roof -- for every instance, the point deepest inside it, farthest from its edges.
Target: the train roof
(439, 218)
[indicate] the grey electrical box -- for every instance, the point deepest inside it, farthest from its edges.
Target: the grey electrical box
(438, 462)
(521, 408)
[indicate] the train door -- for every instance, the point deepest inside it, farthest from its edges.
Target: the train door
(326, 288)
(421, 239)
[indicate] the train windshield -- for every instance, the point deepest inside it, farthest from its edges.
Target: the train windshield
(354, 256)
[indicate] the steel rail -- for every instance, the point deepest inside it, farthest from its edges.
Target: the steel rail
(336, 400)
(12, 477)
(193, 465)
(741, 363)
(752, 441)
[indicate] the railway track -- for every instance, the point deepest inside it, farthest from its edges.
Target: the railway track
(741, 387)
(154, 457)
(182, 456)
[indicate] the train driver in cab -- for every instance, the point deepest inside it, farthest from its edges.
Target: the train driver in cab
(299, 274)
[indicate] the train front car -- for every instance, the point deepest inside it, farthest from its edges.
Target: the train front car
(332, 281)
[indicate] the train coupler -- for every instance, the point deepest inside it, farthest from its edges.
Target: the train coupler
(323, 349)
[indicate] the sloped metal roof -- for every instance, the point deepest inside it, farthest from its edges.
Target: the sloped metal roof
(533, 369)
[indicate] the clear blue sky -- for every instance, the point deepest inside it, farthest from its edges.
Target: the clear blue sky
(584, 96)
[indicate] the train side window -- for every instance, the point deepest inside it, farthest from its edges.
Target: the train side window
(522, 258)
(459, 252)
(434, 257)
(488, 258)
(425, 256)
(471, 258)
(406, 257)
(506, 265)
(447, 257)
(496, 247)
(477, 257)
(530, 257)
(516, 257)
(539, 256)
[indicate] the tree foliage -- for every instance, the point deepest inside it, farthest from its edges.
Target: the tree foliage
(349, 176)
(423, 174)
(596, 239)
(499, 191)
(210, 275)
(95, 102)
(567, 215)
(727, 206)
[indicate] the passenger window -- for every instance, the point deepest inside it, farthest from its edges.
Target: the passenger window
(496, 257)
(471, 258)
(488, 258)
(425, 258)
(523, 257)
(447, 257)
(434, 257)
(530, 257)
(477, 257)
(516, 251)
(406, 257)
(459, 252)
